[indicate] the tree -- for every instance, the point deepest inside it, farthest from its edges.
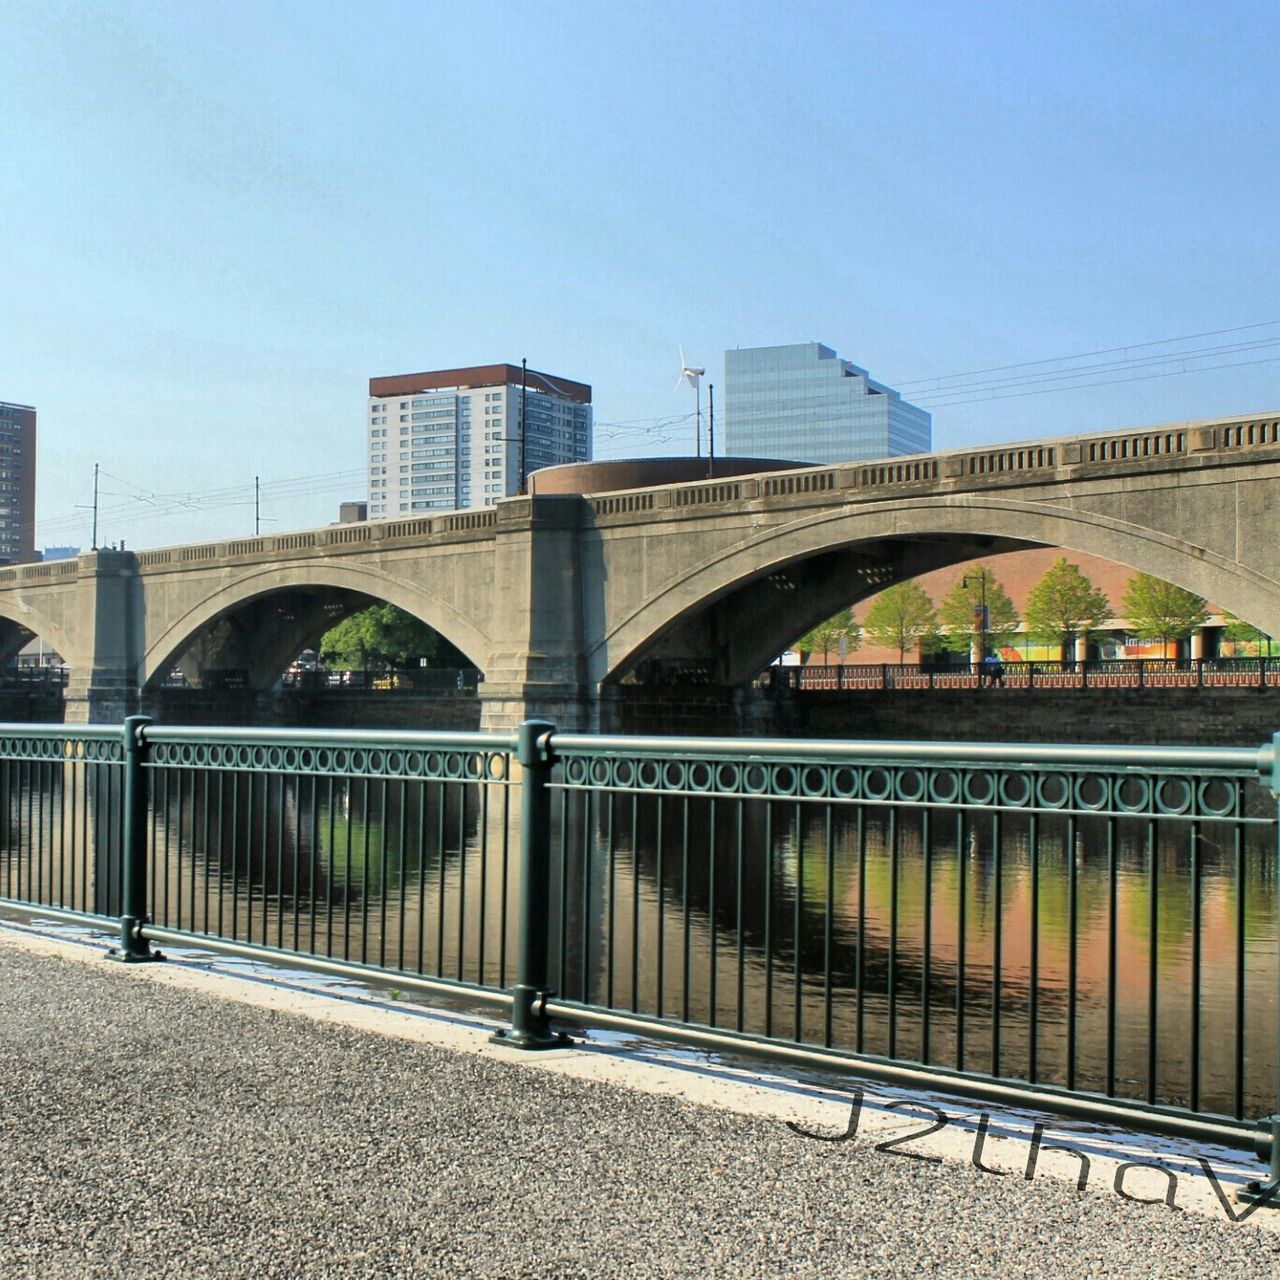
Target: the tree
(901, 617)
(385, 636)
(1244, 635)
(1063, 605)
(826, 636)
(960, 614)
(1157, 610)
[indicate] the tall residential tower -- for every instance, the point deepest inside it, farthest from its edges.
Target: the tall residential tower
(17, 483)
(806, 404)
(466, 437)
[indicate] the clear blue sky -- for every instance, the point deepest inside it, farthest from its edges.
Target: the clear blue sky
(219, 220)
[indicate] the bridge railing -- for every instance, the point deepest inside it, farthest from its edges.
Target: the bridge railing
(1092, 673)
(1089, 929)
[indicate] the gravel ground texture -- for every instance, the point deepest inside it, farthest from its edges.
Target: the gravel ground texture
(155, 1132)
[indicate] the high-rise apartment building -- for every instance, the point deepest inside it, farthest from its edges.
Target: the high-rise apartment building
(805, 404)
(17, 483)
(467, 437)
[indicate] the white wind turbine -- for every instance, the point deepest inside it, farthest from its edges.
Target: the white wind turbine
(694, 378)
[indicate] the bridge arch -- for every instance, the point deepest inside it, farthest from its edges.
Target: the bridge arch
(369, 584)
(907, 538)
(25, 623)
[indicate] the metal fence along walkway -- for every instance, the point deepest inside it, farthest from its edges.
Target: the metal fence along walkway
(1089, 929)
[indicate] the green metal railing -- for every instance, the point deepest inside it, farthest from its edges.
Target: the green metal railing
(1093, 930)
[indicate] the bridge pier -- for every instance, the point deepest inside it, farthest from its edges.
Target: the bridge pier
(538, 607)
(106, 615)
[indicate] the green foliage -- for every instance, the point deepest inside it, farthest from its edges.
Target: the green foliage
(902, 617)
(384, 636)
(1157, 610)
(958, 612)
(1063, 605)
(824, 639)
(1245, 636)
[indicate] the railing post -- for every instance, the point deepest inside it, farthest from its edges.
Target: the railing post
(133, 870)
(530, 1027)
(1267, 1142)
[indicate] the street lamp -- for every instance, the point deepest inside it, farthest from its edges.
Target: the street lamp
(980, 613)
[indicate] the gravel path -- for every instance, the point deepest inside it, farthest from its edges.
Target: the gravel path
(154, 1132)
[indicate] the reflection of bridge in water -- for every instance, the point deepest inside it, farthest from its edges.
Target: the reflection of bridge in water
(559, 599)
(694, 911)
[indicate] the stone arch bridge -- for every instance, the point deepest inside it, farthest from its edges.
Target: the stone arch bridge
(557, 599)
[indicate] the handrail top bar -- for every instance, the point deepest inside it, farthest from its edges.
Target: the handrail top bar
(106, 732)
(1253, 759)
(328, 739)
(1261, 759)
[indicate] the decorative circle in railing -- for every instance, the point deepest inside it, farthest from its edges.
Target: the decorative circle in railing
(1132, 794)
(728, 778)
(783, 779)
(909, 785)
(944, 786)
(1093, 791)
(1015, 790)
(1218, 797)
(845, 783)
(1173, 795)
(1053, 790)
(877, 784)
(674, 775)
(700, 776)
(815, 781)
(979, 788)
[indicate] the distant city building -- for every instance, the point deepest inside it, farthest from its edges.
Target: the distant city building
(352, 512)
(60, 553)
(17, 483)
(453, 438)
(804, 403)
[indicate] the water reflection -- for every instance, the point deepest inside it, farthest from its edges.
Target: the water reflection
(910, 933)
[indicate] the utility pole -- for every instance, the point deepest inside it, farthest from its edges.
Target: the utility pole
(697, 391)
(524, 399)
(257, 507)
(711, 429)
(95, 506)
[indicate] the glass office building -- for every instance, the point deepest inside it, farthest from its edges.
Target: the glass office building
(805, 404)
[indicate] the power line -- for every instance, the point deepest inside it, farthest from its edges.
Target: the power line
(1088, 375)
(1086, 355)
(1112, 382)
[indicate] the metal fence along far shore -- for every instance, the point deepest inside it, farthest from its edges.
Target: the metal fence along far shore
(1093, 930)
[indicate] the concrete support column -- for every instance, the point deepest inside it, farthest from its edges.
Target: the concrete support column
(103, 686)
(1197, 643)
(538, 611)
(1082, 648)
